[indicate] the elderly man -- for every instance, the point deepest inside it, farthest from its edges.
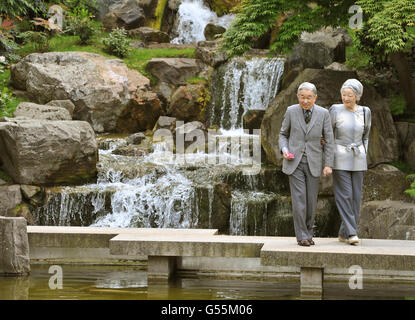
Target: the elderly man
(302, 129)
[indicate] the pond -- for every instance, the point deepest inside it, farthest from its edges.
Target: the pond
(130, 283)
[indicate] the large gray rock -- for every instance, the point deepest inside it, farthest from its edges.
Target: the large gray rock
(319, 49)
(66, 104)
(100, 88)
(10, 198)
(383, 182)
(40, 152)
(383, 140)
(41, 112)
(14, 246)
(173, 70)
(210, 53)
(387, 220)
(406, 133)
(127, 14)
(188, 102)
(147, 35)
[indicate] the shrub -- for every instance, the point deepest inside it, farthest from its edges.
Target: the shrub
(38, 40)
(90, 5)
(80, 24)
(117, 43)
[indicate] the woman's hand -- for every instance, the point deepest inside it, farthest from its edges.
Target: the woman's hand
(327, 171)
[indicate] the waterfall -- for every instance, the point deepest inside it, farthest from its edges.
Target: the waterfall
(242, 85)
(193, 16)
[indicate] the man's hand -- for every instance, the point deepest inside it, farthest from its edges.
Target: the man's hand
(287, 155)
(327, 171)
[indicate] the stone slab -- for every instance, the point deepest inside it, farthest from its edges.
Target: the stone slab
(94, 237)
(186, 245)
(374, 254)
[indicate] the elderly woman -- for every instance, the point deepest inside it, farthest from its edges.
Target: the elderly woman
(351, 125)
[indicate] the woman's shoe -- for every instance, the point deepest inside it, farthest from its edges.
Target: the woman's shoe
(353, 240)
(311, 242)
(303, 243)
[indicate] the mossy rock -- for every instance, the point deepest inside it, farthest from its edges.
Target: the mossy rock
(222, 7)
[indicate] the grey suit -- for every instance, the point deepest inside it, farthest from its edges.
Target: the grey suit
(304, 141)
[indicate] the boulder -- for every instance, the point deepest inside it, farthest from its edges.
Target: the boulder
(209, 53)
(406, 133)
(40, 152)
(383, 182)
(173, 70)
(387, 220)
(383, 140)
(319, 49)
(136, 138)
(14, 247)
(101, 88)
(41, 112)
(67, 104)
(222, 7)
(188, 102)
(141, 113)
(10, 198)
(221, 210)
(252, 119)
(147, 35)
(164, 122)
(212, 30)
(127, 14)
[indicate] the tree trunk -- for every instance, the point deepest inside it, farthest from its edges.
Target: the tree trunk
(400, 62)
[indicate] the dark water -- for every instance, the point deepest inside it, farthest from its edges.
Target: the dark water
(129, 283)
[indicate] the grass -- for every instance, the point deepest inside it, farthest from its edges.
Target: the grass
(136, 60)
(8, 108)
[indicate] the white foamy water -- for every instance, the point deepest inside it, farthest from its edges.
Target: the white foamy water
(193, 17)
(246, 85)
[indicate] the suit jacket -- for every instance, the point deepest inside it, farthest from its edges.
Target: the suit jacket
(300, 138)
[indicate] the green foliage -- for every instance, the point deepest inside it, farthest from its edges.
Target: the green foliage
(411, 190)
(80, 24)
(14, 8)
(257, 17)
(39, 41)
(8, 102)
(388, 24)
(117, 43)
(397, 104)
(90, 5)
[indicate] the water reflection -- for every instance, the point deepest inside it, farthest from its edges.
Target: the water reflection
(130, 283)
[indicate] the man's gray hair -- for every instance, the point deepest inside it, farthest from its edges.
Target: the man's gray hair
(307, 86)
(355, 85)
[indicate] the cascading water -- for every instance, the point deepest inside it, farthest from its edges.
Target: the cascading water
(193, 17)
(242, 85)
(158, 191)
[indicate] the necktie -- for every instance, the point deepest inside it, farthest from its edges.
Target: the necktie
(307, 116)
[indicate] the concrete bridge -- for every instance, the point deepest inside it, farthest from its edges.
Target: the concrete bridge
(166, 248)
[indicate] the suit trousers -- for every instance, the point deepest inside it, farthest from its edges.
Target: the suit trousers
(304, 191)
(347, 187)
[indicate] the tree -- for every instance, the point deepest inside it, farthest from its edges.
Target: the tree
(291, 17)
(390, 27)
(14, 8)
